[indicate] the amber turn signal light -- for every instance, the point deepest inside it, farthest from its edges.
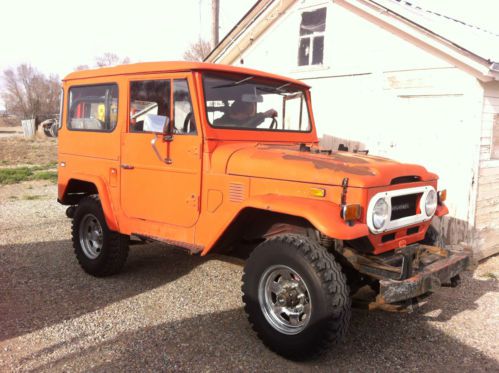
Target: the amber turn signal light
(351, 212)
(317, 192)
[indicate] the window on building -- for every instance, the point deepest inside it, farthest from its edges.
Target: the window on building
(93, 108)
(495, 138)
(149, 104)
(312, 31)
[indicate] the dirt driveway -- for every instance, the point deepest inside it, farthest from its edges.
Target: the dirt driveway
(168, 311)
(15, 150)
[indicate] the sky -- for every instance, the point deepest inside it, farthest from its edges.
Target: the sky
(55, 36)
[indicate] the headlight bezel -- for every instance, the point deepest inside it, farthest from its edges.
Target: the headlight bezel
(420, 215)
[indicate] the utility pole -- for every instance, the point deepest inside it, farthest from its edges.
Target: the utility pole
(215, 9)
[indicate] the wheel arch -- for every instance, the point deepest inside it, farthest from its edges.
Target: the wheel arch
(261, 217)
(81, 186)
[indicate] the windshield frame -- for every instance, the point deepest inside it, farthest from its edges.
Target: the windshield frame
(243, 77)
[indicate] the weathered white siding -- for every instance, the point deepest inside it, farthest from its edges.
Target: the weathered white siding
(353, 46)
(387, 95)
(487, 212)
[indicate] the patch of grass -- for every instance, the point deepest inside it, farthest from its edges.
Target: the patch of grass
(32, 197)
(18, 174)
(12, 197)
(46, 175)
(15, 175)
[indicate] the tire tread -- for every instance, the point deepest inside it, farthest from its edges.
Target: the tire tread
(117, 243)
(334, 285)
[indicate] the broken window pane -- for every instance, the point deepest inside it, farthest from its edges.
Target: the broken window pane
(318, 50)
(303, 52)
(314, 21)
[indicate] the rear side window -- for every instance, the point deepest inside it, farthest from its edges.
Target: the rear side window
(93, 108)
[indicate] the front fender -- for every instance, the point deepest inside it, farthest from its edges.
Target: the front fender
(441, 210)
(323, 215)
(104, 196)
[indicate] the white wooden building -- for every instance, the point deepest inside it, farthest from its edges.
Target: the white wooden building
(398, 80)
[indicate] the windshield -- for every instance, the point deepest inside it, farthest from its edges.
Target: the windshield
(251, 103)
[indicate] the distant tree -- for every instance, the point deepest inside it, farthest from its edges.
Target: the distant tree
(111, 59)
(197, 51)
(82, 67)
(29, 94)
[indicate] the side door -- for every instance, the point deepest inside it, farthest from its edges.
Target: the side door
(162, 186)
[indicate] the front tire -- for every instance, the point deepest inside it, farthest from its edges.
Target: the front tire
(296, 296)
(99, 250)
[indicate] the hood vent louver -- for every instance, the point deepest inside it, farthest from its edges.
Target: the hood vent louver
(237, 192)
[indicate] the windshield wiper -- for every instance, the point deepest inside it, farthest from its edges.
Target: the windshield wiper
(235, 83)
(269, 90)
(280, 88)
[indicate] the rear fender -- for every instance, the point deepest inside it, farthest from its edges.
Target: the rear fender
(104, 197)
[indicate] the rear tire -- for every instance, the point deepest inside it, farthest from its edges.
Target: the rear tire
(296, 296)
(99, 250)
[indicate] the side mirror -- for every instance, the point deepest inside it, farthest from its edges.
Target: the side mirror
(156, 123)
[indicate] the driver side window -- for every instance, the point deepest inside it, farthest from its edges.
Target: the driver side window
(149, 103)
(183, 115)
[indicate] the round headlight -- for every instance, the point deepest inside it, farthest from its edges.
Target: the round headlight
(431, 203)
(380, 213)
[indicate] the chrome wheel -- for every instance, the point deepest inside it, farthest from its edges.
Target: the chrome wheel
(91, 236)
(284, 299)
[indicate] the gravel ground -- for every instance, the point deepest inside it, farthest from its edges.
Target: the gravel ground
(169, 311)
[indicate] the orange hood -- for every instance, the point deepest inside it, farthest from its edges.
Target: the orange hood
(285, 162)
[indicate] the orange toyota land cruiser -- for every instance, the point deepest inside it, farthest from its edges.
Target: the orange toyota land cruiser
(216, 158)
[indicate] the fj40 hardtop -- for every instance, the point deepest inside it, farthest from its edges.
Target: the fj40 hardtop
(215, 158)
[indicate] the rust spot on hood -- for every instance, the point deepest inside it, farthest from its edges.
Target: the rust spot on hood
(333, 164)
(348, 158)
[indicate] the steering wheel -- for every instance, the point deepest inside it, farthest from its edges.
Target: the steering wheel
(273, 124)
(188, 119)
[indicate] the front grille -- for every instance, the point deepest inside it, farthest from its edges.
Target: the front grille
(404, 206)
(412, 230)
(388, 237)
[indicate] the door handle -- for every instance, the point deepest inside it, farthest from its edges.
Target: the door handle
(127, 167)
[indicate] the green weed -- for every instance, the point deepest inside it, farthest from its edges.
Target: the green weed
(15, 175)
(19, 174)
(46, 175)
